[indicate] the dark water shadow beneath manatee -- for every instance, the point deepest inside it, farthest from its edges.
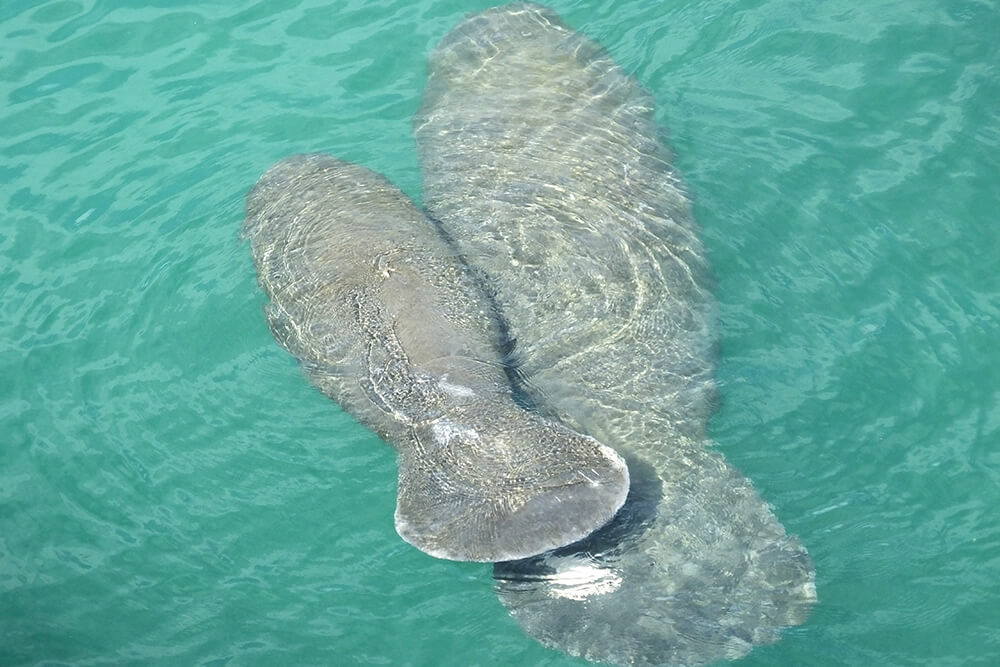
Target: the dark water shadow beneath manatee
(624, 530)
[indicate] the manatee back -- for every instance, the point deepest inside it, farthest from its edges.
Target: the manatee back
(341, 251)
(543, 160)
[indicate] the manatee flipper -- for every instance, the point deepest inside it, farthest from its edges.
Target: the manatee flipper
(387, 322)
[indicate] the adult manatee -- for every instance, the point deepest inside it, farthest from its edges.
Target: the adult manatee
(386, 322)
(542, 161)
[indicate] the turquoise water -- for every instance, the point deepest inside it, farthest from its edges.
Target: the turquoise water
(172, 491)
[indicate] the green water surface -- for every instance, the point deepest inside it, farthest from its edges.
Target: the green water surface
(172, 490)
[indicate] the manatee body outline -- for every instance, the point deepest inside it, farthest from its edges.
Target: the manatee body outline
(542, 161)
(387, 322)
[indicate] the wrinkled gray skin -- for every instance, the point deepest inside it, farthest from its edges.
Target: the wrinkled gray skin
(386, 322)
(542, 161)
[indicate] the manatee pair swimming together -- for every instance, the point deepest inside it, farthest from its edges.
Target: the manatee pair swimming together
(543, 166)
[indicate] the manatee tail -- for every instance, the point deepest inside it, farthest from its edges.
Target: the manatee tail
(533, 486)
(693, 570)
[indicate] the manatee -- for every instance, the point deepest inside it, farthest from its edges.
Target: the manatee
(387, 322)
(544, 165)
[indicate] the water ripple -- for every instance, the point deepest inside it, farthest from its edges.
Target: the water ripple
(173, 491)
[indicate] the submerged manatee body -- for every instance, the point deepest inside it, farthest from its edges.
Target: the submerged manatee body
(386, 322)
(542, 161)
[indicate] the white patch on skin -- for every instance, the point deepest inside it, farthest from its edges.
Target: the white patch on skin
(445, 431)
(612, 454)
(455, 389)
(580, 580)
(690, 569)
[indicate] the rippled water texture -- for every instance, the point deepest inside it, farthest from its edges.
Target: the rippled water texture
(173, 491)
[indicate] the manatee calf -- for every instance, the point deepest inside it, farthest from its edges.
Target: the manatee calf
(543, 163)
(387, 322)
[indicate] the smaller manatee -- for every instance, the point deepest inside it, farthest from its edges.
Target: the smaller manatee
(388, 322)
